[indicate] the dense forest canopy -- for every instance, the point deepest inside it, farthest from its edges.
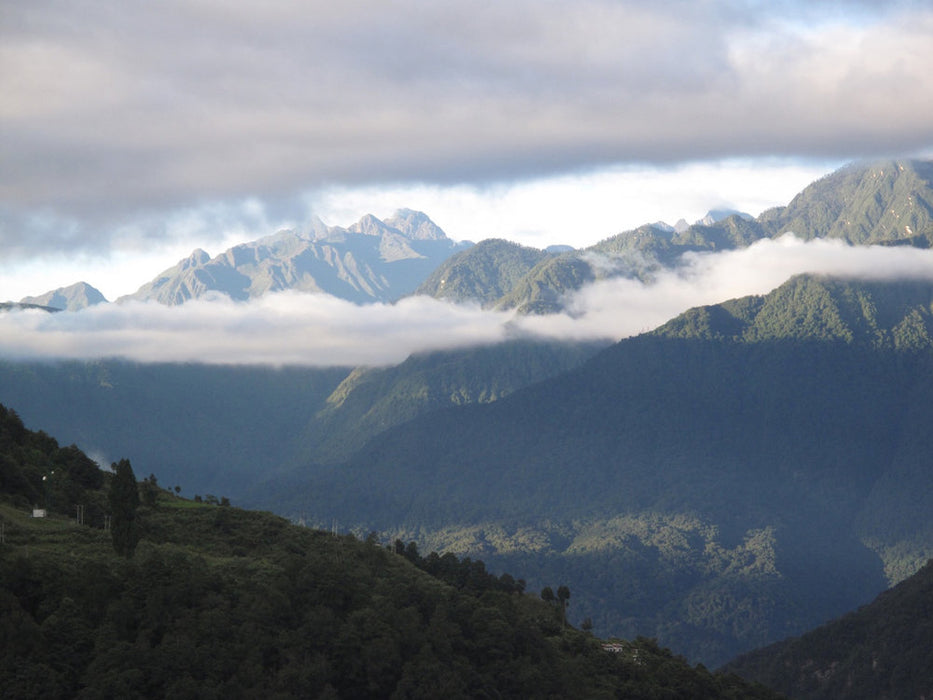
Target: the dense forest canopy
(214, 601)
(882, 651)
(709, 481)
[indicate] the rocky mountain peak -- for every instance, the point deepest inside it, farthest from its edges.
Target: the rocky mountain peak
(369, 225)
(197, 258)
(416, 225)
(372, 260)
(72, 298)
(714, 216)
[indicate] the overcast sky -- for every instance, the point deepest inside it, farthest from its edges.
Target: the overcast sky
(131, 133)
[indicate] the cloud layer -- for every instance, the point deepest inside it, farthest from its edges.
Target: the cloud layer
(301, 329)
(288, 328)
(113, 115)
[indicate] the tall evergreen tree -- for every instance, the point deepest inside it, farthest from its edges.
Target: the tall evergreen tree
(563, 595)
(124, 499)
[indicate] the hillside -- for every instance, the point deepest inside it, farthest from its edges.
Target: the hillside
(540, 291)
(216, 602)
(209, 429)
(882, 315)
(372, 400)
(370, 261)
(742, 474)
(882, 651)
(483, 273)
(224, 430)
(885, 203)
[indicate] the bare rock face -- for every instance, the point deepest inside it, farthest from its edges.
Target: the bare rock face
(373, 260)
(72, 298)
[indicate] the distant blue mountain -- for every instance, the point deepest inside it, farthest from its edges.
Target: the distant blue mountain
(373, 260)
(72, 298)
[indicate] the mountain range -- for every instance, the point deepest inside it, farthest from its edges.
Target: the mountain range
(373, 260)
(885, 203)
(718, 483)
(741, 474)
(888, 203)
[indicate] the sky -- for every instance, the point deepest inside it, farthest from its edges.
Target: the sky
(131, 134)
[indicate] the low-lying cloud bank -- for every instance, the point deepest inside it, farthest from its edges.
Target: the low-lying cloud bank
(300, 329)
(288, 328)
(622, 307)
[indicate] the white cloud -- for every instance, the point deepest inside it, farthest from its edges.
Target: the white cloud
(620, 308)
(293, 328)
(288, 328)
(580, 209)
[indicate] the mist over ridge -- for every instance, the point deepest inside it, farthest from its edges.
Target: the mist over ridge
(245, 306)
(320, 330)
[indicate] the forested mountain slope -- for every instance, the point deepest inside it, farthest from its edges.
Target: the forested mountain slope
(744, 473)
(372, 400)
(224, 430)
(888, 202)
(482, 273)
(882, 315)
(215, 602)
(882, 651)
(209, 429)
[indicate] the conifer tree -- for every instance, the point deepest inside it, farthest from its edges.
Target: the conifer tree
(563, 595)
(124, 499)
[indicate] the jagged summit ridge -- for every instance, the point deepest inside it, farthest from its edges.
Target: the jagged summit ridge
(372, 260)
(887, 203)
(416, 225)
